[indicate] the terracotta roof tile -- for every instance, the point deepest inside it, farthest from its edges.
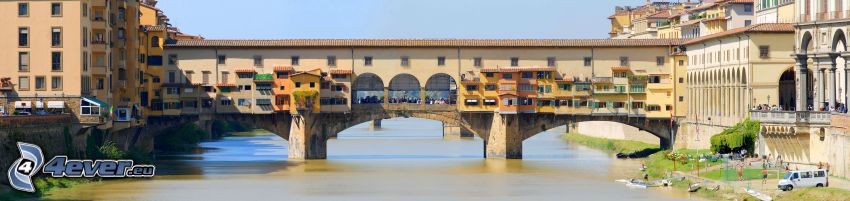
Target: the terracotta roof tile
(424, 43)
(284, 69)
(341, 71)
(758, 28)
(245, 70)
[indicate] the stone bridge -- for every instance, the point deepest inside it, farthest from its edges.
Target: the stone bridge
(503, 134)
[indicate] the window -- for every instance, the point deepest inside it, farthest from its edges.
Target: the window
(507, 76)
(748, 8)
(88, 108)
(121, 34)
(56, 9)
(297, 84)
(367, 61)
(23, 61)
(476, 62)
(155, 41)
(244, 102)
(85, 61)
(472, 87)
(681, 98)
(85, 8)
(565, 87)
(23, 9)
(172, 59)
(85, 37)
(39, 83)
(56, 61)
(681, 80)
(624, 61)
(514, 61)
(224, 76)
(331, 60)
(312, 85)
(100, 84)
(441, 61)
(764, 51)
(56, 37)
(748, 22)
(258, 60)
(23, 37)
(490, 87)
(172, 76)
(24, 83)
(681, 62)
(155, 60)
(206, 77)
(295, 60)
(659, 61)
(668, 107)
(222, 59)
(56, 83)
(405, 61)
(588, 61)
(246, 87)
(490, 102)
(526, 87)
(550, 61)
(489, 74)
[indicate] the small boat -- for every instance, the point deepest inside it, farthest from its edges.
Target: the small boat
(694, 188)
(625, 181)
(637, 183)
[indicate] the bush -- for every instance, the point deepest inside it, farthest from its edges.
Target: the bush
(110, 151)
(741, 136)
(180, 138)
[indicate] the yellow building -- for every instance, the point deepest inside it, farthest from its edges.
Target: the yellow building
(305, 92)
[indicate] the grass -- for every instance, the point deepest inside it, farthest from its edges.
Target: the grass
(610, 145)
(814, 194)
(732, 174)
(44, 185)
(658, 166)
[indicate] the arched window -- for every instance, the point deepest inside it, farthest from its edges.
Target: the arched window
(155, 41)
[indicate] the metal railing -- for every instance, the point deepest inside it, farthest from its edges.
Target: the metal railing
(791, 117)
(405, 107)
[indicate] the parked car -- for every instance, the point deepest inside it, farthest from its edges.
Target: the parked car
(803, 178)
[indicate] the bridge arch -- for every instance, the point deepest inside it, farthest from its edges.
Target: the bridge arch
(839, 41)
(368, 88)
(404, 88)
(805, 43)
(441, 88)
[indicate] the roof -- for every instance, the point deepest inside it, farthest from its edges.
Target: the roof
(758, 28)
(341, 71)
(307, 73)
(283, 43)
(284, 69)
(245, 70)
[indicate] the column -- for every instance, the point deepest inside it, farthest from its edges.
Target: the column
(831, 87)
(306, 138)
(801, 72)
(818, 90)
(505, 139)
(847, 84)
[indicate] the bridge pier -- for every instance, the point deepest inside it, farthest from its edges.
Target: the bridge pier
(308, 138)
(504, 141)
(455, 132)
(375, 124)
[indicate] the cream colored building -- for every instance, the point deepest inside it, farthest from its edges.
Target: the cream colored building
(48, 54)
(775, 11)
(731, 72)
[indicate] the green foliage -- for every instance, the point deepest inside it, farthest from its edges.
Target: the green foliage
(180, 138)
(109, 150)
(740, 136)
(69, 142)
(219, 128)
(93, 143)
(138, 155)
(266, 76)
(617, 146)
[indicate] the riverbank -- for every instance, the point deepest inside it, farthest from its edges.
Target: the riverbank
(660, 165)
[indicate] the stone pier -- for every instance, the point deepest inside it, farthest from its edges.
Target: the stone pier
(375, 124)
(308, 138)
(505, 138)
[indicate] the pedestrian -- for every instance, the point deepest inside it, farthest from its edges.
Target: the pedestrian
(764, 175)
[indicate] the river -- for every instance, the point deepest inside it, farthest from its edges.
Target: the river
(405, 160)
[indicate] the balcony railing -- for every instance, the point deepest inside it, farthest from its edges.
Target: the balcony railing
(603, 79)
(791, 117)
(805, 18)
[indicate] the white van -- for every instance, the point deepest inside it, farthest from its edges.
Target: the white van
(803, 178)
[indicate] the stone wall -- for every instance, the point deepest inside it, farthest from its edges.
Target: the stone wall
(614, 130)
(54, 138)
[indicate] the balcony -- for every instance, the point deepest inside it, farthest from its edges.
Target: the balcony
(805, 18)
(662, 85)
(791, 117)
(603, 80)
(98, 46)
(98, 23)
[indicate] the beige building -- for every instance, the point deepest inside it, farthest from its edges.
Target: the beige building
(775, 11)
(731, 72)
(50, 58)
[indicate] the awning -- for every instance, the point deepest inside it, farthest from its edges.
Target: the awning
(472, 100)
(23, 104)
(489, 101)
(95, 101)
(56, 104)
(39, 104)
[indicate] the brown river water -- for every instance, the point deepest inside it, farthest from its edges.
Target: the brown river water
(405, 160)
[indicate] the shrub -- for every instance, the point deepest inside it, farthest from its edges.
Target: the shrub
(740, 136)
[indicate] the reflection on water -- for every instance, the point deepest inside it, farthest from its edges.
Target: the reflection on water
(406, 160)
